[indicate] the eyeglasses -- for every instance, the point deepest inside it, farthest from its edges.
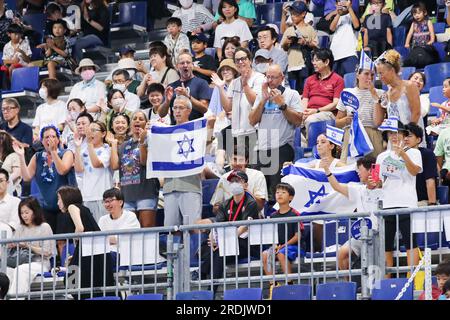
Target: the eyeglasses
(239, 60)
(8, 108)
(179, 108)
(95, 130)
(272, 77)
(108, 201)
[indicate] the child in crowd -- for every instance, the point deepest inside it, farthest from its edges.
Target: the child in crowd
(298, 41)
(377, 30)
(420, 38)
(54, 13)
(57, 49)
(443, 276)
(443, 121)
(17, 52)
(204, 64)
(155, 93)
(175, 41)
(344, 27)
(288, 236)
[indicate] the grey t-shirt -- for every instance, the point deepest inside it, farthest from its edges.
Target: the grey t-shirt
(191, 183)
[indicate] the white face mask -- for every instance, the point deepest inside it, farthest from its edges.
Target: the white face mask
(186, 4)
(120, 87)
(117, 103)
(262, 67)
(236, 188)
(74, 115)
(43, 93)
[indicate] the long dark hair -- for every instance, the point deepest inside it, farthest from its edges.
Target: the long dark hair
(70, 195)
(33, 205)
(6, 145)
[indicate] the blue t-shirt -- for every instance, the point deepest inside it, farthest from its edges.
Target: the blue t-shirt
(198, 88)
(22, 132)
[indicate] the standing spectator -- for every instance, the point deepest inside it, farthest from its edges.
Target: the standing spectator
(130, 159)
(299, 40)
(82, 123)
(229, 48)
(94, 167)
(22, 132)
(155, 93)
(32, 225)
(55, 12)
(120, 126)
(204, 64)
(17, 52)
(344, 27)
(9, 205)
(331, 10)
(122, 81)
(247, 12)
(90, 90)
(322, 90)
(277, 111)
(286, 18)
(176, 41)
(231, 26)
(239, 99)
(190, 86)
(53, 111)
(267, 39)
(51, 168)
(182, 196)
(378, 30)
(9, 160)
(74, 108)
(194, 17)
(94, 25)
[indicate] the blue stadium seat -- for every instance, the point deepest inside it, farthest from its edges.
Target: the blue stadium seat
(350, 79)
(105, 298)
(208, 188)
(404, 52)
(399, 36)
(324, 41)
(24, 79)
(336, 291)
(292, 83)
(407, 71)
(243, 294)
(211, 52)
(330, 229)
(132, 13)
(440, 48)
(436, 73)
(315, 129)
(439, 27)
(442, 194)
(388, 289)
(11, 4)
(146, 296)
(268, 13)
(437, 96)
(195, 295)
(37, 21)
(292, 292)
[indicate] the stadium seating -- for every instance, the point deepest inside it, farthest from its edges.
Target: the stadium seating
(37, 21)
(336, 233)
(243, 294)
(350, 80)
(437, 97)
(404, 52)
(407, 71)
(114, 298)
(195, 295)
(336, 291)
(315, 129)
(211, 52)
(399, 36)
(442, 194)
(440, 47)
(439, 27)
(388, 289)
(208, 188)
(147, 296)
(132, 16)
(292, 292)
(24, 85)
(268, 13)
(436, 73)
(324, 41)
(292, 83)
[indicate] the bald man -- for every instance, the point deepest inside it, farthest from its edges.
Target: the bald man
(278, 112)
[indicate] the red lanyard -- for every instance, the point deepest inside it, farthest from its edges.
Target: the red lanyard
(241, 203)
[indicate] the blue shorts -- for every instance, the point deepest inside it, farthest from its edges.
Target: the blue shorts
(144, 204)
(292, 252)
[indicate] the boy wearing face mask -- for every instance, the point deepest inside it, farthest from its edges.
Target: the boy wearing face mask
(89, 90)
(121, 81)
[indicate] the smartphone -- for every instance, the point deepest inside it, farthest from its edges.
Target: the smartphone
(375, 172)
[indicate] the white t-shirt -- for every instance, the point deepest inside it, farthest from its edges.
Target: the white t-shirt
(365, 200)
(345, 39)
(9, 208)
(90, 93)
(237, 28)
(127, 220)
(95, 181)
(132, 100)
(46, 114)
(240, 125)
(155, 118)
(399, 186)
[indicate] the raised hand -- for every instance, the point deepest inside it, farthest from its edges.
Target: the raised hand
(77, 140)
(110, 139)
(103, 106)
(169, 93)
(277, 97)
(18, 148)
(217, 81)
(265, 91)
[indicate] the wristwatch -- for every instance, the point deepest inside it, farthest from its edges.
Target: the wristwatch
(318, 110)
(283, 107)
(329, 175)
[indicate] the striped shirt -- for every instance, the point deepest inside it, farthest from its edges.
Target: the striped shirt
(194, 17)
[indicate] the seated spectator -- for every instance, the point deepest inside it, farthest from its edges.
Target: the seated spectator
(229, 47)
(122, 81)
(116, 104)
(443, 121)
(74, 108)
(442, 273)
(182, 196)
(204, 64)
(94, 25)
(246, 10)
(51, 168)
(55, 12)
(257, 186)
(190, 86)
(52, 111)
(267, 39)
(32, 225)
(299, 40)
(175, 40)
(130, 159)
(195, 17)
(94, 167)
(378, 30)
(22, 132)
(9, 160)
(78, 220)
(8, 204)
(344, 26)
(17, 52)
(155, 93)
(420, 39)
(120, 127)
(442, 153)
(322, 90)
(277, 112)
(90, 90)
(4, 285)
(131, 67)
(231, 26)
(163, 70)
(262, 61)
(118, 217)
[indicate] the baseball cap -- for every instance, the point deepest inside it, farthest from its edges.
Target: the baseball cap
(238, 173)
(125, 50)
(298, 6)
(200, 37)
(263, 53)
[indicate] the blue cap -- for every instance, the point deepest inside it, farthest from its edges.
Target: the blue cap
(298, 6)
(199, 37)
(125, 50)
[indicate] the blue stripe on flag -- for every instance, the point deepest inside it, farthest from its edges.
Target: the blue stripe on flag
(359, 144)
(319, 176)
(188, 126)
(174, 166)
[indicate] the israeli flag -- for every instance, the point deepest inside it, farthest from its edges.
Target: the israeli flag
(389, 124)
(176, 151)
(359, 143)
(365, 63)
(335, 135)
(381, 57)
(313, 193)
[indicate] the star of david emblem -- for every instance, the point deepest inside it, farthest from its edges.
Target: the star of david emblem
(185, 151)
(314, 195)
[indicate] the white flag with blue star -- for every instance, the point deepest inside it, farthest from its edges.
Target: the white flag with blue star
(176, 151)
(313, 193)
